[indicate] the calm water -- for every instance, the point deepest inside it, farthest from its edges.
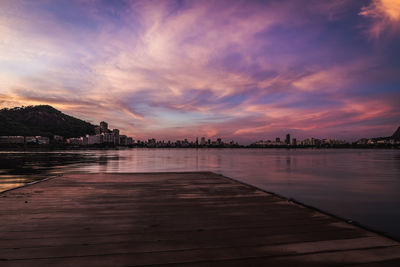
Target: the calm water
(361, 185)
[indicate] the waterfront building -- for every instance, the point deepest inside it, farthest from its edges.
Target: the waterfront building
(30, 140)
(294, 142)
(129, 141)
(362, 141)
(97, 130)
(85, 140)
(277, 140)
(95, 139)
(306, 142)
(41, 140)
(108, 137)
(262, 143)
(103, 136)
(203, 141)
(115, 133)
(74, 141)
(123, 140)
(287, 140)
(11, 139)
(58, 138)
(104, 127)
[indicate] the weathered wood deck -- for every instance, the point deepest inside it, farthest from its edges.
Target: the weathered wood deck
(184, 219)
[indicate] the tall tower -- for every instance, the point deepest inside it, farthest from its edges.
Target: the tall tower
(287, 140)
(115, 134)
(294, 142)
(104, 127)
(203, 141)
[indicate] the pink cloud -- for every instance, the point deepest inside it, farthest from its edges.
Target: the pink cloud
(232, 69)
(384, 15)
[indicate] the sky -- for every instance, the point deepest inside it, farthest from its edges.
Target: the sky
(239, 70)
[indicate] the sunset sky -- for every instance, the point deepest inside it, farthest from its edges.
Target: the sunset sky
(242, 70)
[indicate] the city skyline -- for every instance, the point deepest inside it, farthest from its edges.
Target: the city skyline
(238, 70)
(18, 128)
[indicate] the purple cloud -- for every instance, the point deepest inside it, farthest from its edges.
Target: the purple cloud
(242, 70)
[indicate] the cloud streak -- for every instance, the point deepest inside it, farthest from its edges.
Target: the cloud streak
(241, 70)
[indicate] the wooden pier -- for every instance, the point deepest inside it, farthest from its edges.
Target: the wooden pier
(176, 219)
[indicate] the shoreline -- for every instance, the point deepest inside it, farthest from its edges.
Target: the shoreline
(48, 148)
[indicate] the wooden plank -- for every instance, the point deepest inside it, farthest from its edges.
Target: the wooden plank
(191, 219)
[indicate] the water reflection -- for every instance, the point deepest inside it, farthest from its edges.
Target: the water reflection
(19, 168)
(363, 185)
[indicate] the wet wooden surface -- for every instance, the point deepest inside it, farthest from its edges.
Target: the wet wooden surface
(177, 219)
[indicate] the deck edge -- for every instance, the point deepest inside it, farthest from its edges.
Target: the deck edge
(347, 221)
(31, 183)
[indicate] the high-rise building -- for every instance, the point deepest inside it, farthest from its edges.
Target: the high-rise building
(115, 134)
(95, 139)
(108, 138)
(104, 127)
(123, 140)
(203, 141)
(278, 140)
(287, 140)
(129, 141)
(294, 142)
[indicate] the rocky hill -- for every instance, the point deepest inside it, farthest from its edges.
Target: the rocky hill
(41, 120)
(396, 134)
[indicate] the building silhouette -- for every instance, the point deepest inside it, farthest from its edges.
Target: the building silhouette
(287, 140)
(104, 127)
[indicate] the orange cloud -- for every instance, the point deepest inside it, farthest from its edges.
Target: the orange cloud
(385, 16)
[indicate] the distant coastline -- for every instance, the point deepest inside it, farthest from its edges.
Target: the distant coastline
(46, 128)
(57, 147)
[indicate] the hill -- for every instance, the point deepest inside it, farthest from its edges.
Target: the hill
(396, 134)
(41, 120)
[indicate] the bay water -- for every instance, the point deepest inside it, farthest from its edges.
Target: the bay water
(361, 185)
